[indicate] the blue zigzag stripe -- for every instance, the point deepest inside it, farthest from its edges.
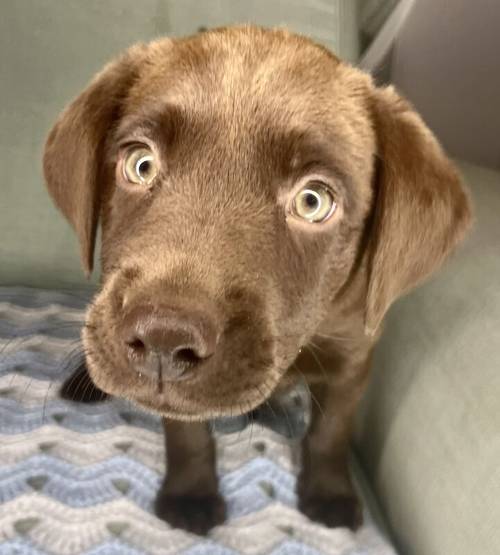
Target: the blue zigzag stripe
(244, 488)
(16, 418)
(38, 364)
(24, 547)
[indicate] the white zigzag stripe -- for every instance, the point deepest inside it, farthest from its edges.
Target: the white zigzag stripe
(79, 448)
(69, 531)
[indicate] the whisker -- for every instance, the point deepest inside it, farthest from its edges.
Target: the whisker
(77, 375)
(313, 397)
(77, 353)
(316, 346)
(16, 341)
(45, 401)
(318, 362)
(268, 404)
(12, 341)
(81, 381)
(320, 408)
(240, 413)
(267, 394)
(285, 413)
(26, 388)
(89, 384)
(251, 429)
(14, 373)
(335, 337)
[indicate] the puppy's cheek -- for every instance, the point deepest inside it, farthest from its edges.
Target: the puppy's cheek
(106, 365)
(99, 371)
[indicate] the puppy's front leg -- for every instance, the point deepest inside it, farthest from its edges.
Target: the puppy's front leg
(189, 497)
(324, 487)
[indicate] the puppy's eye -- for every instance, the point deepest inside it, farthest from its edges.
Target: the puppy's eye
(139, 166)
(314, 203)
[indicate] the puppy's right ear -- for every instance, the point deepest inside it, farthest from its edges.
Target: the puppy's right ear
(72, 159)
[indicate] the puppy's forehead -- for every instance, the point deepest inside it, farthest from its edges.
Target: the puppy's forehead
(253, 82)
(238, 69)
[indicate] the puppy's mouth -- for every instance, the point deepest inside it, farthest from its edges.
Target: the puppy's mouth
(182, 364)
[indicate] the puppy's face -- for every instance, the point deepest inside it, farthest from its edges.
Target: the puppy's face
(233, 173)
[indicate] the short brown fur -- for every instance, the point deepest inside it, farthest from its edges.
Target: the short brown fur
(237, 116)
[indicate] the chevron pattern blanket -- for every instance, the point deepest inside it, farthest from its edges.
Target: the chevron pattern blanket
(80, 479)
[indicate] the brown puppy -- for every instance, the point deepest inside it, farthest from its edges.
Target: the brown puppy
(256, 196)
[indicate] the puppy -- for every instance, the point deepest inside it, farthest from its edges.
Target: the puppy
(262, 204)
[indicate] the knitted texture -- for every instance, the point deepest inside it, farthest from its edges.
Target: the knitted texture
(81, 479)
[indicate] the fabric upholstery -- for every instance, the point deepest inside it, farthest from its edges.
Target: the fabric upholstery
(429, 432)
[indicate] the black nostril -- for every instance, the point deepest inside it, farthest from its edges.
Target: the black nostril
(136, 346)
(186, 356)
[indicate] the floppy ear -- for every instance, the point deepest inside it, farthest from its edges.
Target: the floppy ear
(421, 210)
(73, 153)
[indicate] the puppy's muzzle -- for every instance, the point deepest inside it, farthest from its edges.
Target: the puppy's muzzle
(169, 344)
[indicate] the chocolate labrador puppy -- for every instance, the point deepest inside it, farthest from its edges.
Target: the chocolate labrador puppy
(257, 197)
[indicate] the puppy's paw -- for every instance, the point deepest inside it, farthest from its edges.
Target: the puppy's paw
(196, 514)
(333, 511)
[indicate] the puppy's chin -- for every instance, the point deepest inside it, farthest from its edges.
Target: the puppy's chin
(244, 375)
(178, 402)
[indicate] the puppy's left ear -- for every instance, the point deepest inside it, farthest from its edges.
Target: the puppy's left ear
(421, 210)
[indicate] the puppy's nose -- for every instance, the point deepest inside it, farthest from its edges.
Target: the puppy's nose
(167, 344)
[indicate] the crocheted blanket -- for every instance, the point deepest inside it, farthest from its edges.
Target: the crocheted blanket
(80, 479)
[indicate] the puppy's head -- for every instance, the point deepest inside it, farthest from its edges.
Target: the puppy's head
(244, 180)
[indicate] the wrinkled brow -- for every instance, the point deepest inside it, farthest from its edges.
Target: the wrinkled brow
(310, 149)
(159, 123)
(290, 150)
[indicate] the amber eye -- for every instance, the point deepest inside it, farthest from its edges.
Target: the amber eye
(314, 203)
(139, 166)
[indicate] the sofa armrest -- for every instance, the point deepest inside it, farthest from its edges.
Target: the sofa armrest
(429, 430)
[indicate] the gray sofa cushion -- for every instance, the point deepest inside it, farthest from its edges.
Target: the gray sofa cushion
(429, 432)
